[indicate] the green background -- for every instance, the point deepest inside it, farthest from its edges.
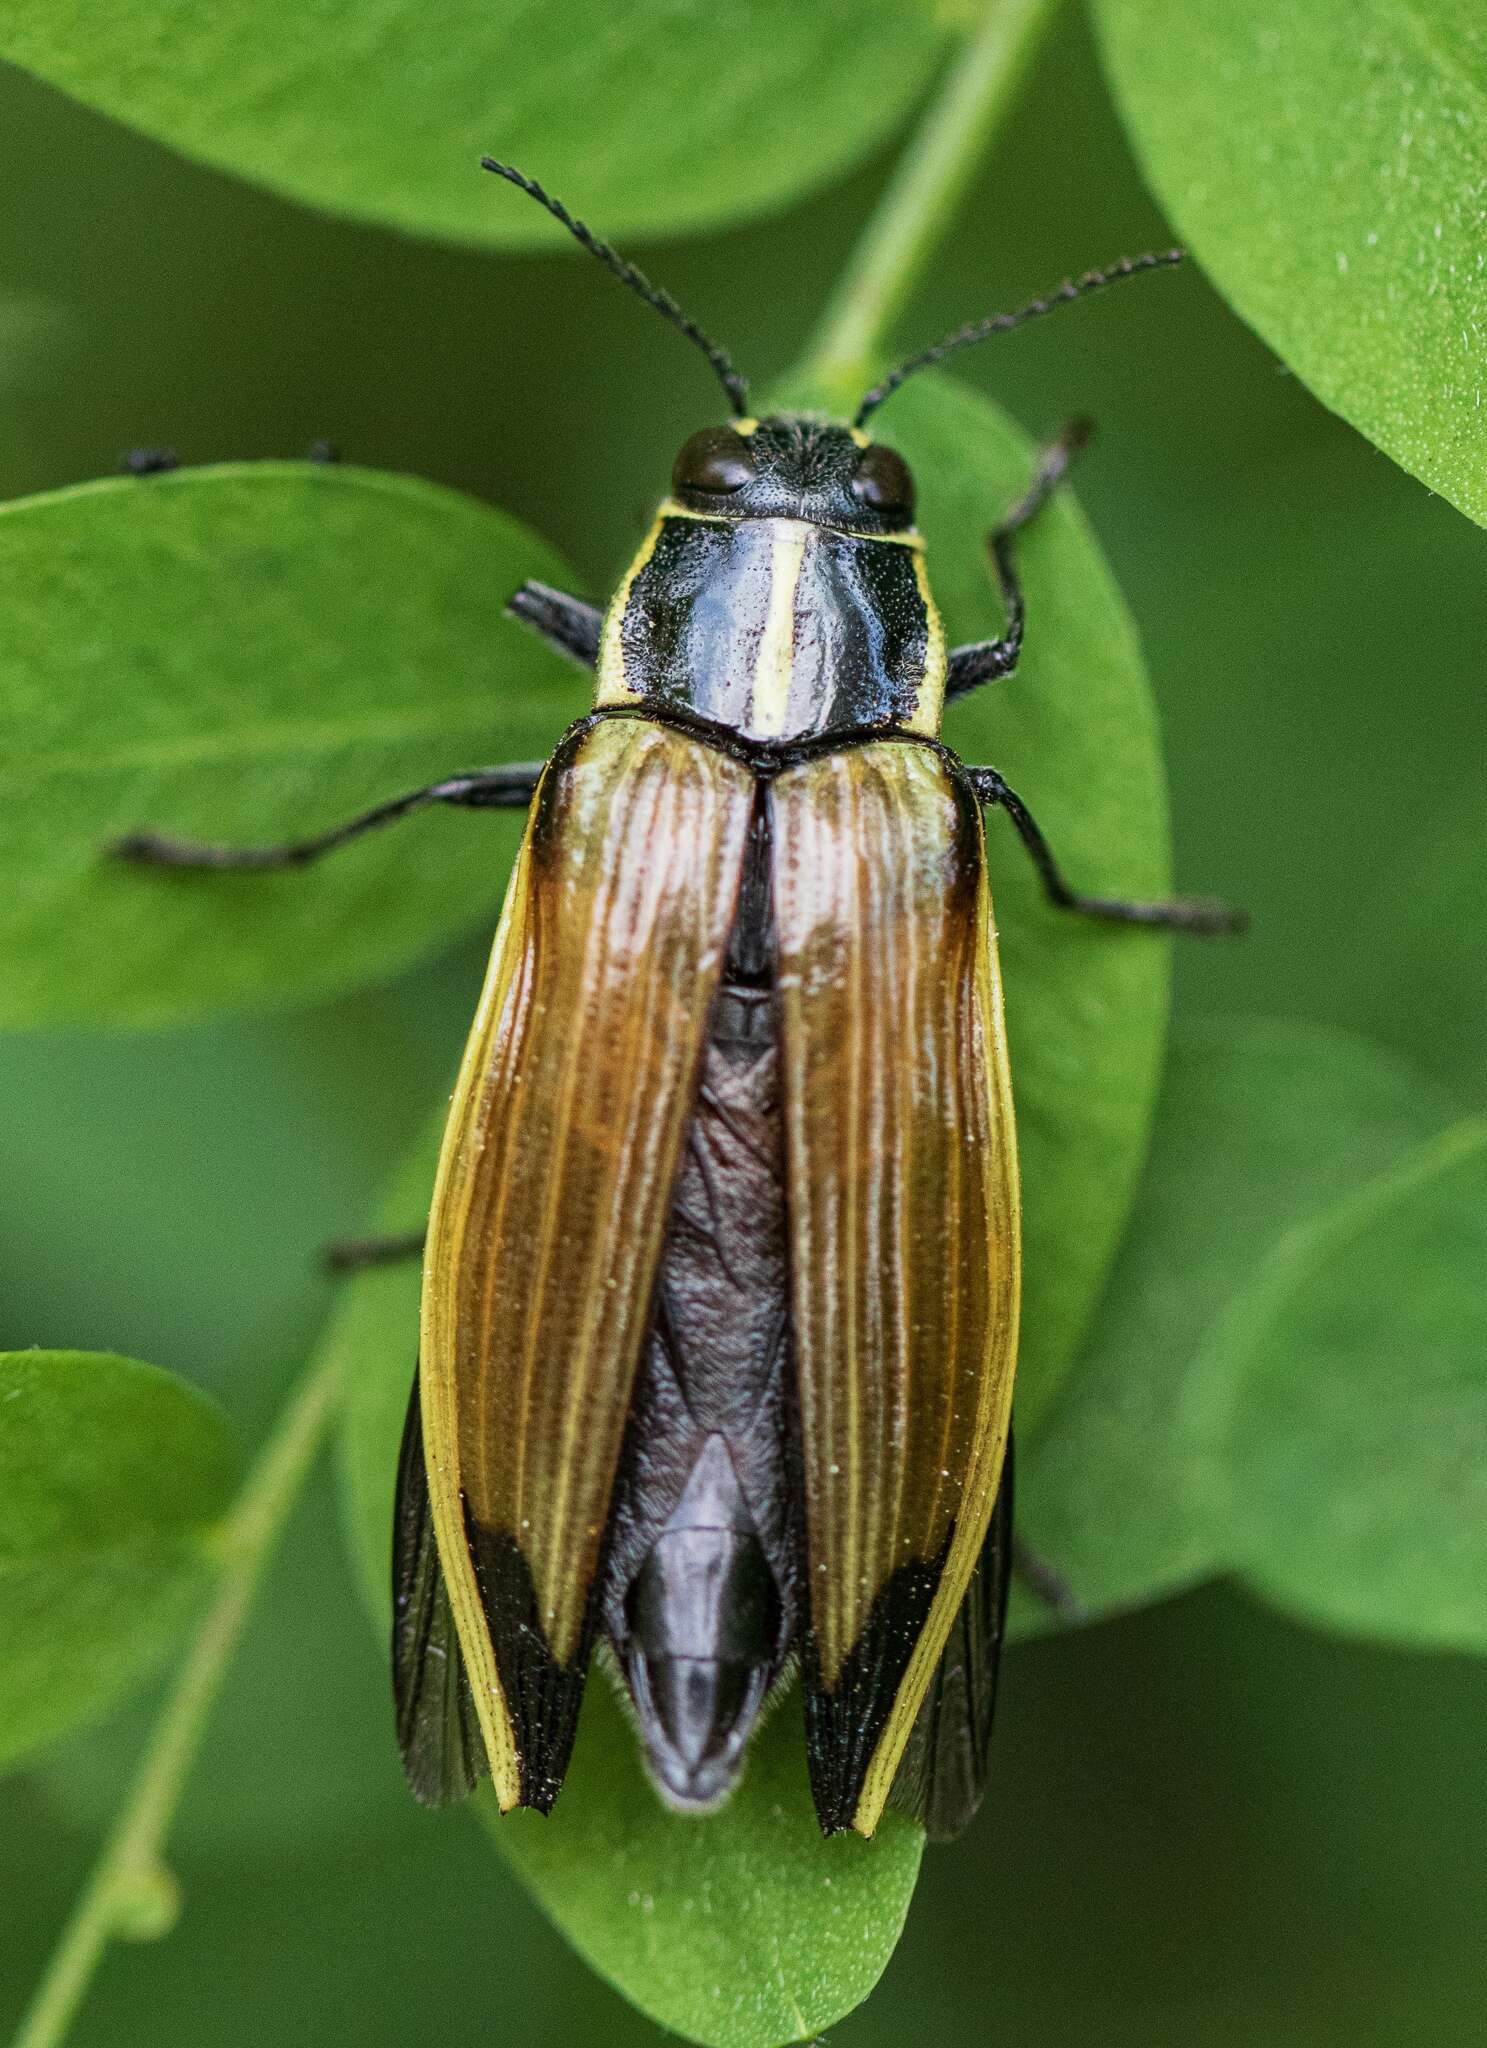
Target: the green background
(1207, 1825)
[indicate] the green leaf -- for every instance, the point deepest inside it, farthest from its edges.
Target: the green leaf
(1423, 908)
(1075, 732)
(746, 1929)
(248, 654)
(1327, 164)
(112, 1476)
(742, 1931)
(299, 1749)
(1262, 1124)
(650, 117)
(1340, 1411)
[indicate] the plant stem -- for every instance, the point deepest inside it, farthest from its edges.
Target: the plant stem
(917, 206)
(129, 1868)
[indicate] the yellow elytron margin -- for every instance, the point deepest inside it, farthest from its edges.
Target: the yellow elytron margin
(437, 1341)
(994, 1411)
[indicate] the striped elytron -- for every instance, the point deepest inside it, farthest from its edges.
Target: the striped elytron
(721, 1277)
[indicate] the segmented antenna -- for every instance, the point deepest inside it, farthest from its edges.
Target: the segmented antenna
(1003, 323)
(661, 302)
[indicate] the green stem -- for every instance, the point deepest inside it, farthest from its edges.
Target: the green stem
(128, 1871)
(917, 206)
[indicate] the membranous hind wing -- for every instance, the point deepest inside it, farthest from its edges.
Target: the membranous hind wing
(943, 1773)
(548, 1219)
(438, 1728)
(903, 1205)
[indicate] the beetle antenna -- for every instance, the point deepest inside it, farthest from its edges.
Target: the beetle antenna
(661, 302)
(1003, 323)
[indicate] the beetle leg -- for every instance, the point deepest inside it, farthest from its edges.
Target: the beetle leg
(1047, 1583)
(566, 623)
(356, 1254)
(1200, 914)
(148, 461)
(498, 788)
(984, 660)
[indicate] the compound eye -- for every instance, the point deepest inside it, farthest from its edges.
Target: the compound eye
(883, 482)
(716, 459)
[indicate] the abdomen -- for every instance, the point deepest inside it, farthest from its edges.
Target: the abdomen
(700, 1596)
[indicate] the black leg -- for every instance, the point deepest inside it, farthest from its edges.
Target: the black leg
(567, 623)
(1200, 914)
(487, 788)
(1047, 1583)
(357, 1254)
(148, 461)
(984, 660)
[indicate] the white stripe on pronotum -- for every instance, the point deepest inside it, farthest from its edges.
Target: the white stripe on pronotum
(776, 659)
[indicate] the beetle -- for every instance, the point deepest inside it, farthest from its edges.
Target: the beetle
(721, 1275)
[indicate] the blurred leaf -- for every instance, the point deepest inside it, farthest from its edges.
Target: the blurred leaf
(656, 116)
(249, 654)
(745, 1929)
(375, 1328)
(111, 1477)
(1327, 164)
(1075, 732)
(1262, 1125)
(742, 1931)
(1339, 1411)
(300, 1753)
(1423, 907)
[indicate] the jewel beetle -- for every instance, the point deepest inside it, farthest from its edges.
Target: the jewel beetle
(721, 1277)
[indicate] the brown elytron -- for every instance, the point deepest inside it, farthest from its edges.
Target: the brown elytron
(903, 1202)
(553, 1196)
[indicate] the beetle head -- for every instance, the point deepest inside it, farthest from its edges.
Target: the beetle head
(791, 466)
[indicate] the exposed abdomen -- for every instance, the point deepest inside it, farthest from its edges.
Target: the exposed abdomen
(700, 1591)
